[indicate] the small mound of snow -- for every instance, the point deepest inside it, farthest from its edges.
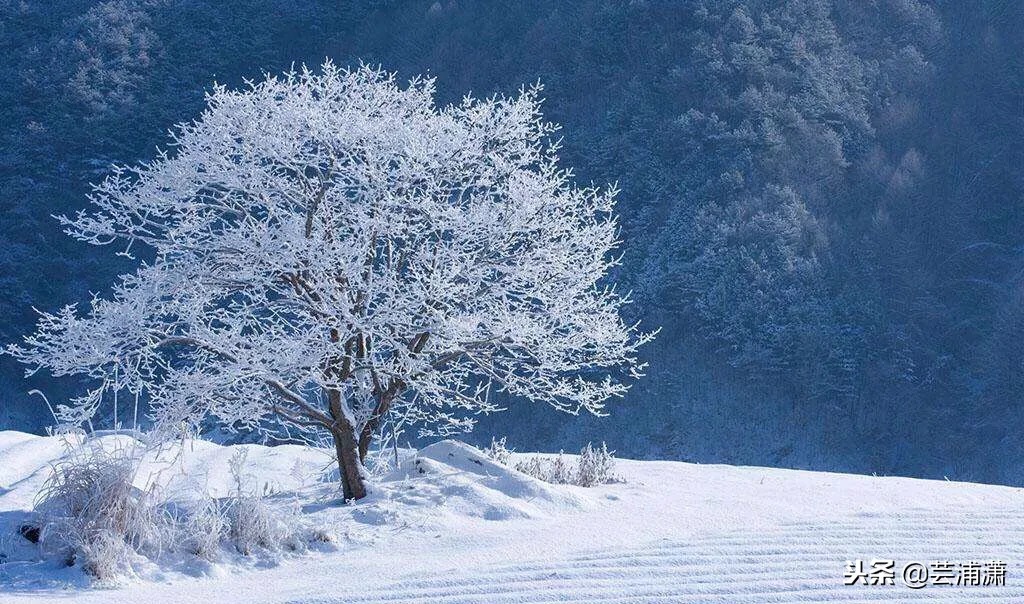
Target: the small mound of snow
(466, 482)
(26, 465)
(11, 437)
(198, 467)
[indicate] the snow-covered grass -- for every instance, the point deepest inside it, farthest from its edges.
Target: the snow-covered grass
(92, 514)
(105, 508)
(593, 466)
(450, 524)
(252, 523)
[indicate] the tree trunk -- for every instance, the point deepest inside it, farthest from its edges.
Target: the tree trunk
(346, 445)
(366, 435)
(350, 468)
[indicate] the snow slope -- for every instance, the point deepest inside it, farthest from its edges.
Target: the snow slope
(449, 525)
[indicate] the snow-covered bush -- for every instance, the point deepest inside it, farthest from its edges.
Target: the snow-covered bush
(594, 465)
(203, 529)
(251, 523)
(91, 512)
(498, 451)
(91, 509)
(245, 521)
(103, 553)
(549, 469)
(255, 525)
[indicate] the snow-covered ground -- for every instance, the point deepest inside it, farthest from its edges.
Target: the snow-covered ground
(450, 525)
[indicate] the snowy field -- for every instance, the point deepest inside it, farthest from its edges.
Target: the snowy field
(450, 525)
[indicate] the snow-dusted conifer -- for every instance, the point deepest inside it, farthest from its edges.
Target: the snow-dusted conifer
(329, 247)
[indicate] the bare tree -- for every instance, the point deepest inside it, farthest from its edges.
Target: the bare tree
(330, 247)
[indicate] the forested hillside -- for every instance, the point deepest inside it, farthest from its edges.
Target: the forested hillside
(821, 201)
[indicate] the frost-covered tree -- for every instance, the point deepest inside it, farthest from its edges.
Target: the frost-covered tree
(329, 247)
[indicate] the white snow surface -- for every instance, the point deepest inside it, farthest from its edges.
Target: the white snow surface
(450, 525)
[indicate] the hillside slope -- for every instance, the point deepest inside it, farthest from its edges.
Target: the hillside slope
(449, 525)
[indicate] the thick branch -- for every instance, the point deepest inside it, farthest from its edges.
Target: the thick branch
(295, 399)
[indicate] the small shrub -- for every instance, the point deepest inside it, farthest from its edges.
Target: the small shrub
(252, 523)
(595, 466)
(103, 553)
(554, 470)
(202, 531)
(498, 452)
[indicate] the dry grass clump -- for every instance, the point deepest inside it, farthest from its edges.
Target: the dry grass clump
(92, 510)
(594, 465)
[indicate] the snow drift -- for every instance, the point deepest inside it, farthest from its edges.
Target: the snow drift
(448, 524)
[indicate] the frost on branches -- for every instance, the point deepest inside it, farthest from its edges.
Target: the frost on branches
(330, 247)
